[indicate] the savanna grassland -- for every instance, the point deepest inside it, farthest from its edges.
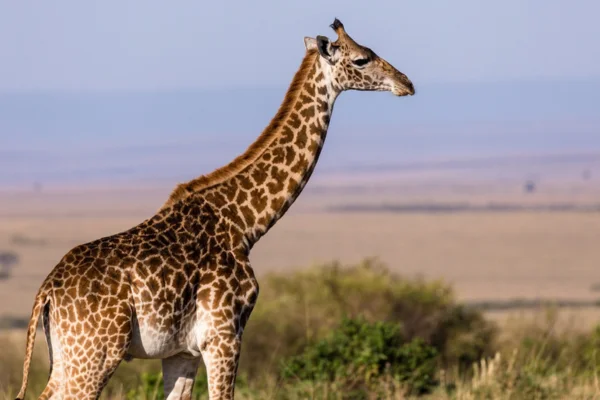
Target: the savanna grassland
(480, 303)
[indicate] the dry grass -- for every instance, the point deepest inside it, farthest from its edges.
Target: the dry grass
(502, 377)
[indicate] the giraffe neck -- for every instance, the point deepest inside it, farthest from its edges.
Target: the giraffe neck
(279, 175)
(259, 186)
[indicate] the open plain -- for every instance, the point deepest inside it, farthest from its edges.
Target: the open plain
(544, 247)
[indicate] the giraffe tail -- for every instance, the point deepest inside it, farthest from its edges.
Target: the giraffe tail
(40, 301)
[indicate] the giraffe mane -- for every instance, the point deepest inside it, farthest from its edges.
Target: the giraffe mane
(255, 150)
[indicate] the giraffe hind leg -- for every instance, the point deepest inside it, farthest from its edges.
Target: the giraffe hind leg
(179, 374)
(88, 369)
(56, 379)
(92, 352)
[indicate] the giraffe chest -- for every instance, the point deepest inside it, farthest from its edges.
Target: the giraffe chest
(149, 342)
(162, 324)
(186, 337)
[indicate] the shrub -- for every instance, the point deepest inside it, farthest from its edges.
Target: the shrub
(301, 307)
(359, 353)
(8, 260)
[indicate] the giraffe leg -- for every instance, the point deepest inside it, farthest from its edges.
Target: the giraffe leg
(92, 352)
(55, 384)
(221, 356)
(179, 374)
(86, 378)
(219, 330)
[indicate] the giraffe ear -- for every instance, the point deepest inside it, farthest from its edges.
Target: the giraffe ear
(310, 43)
(326, 49)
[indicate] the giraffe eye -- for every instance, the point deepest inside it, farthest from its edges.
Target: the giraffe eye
(360, 62)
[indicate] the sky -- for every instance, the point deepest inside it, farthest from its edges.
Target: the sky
(150, 45)
(98, 88)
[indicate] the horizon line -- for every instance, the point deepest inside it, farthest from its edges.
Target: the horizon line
(214, 87)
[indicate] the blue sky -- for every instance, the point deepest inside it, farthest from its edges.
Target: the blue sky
(151, 45)
(94, 88)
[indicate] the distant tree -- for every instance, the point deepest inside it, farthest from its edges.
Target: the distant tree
(8, 260)
(529, 186)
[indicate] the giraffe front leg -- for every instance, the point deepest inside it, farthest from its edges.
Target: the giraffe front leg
(179, 374)
(221, 356)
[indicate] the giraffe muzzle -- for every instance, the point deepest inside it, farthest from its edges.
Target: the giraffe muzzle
(403, 86)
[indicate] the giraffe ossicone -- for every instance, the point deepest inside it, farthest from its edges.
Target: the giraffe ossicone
(179, 286)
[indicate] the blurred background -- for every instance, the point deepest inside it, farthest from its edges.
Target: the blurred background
(488, 179)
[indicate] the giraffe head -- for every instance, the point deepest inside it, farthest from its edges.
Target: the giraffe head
(357, 67)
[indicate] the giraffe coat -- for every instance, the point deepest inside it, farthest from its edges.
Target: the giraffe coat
(179, 286)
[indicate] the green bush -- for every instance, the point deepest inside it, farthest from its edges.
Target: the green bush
(359, 353)
(301, 307)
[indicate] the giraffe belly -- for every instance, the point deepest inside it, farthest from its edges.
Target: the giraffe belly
(148, 342)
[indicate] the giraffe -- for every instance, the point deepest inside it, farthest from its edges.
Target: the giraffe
(179, 286)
